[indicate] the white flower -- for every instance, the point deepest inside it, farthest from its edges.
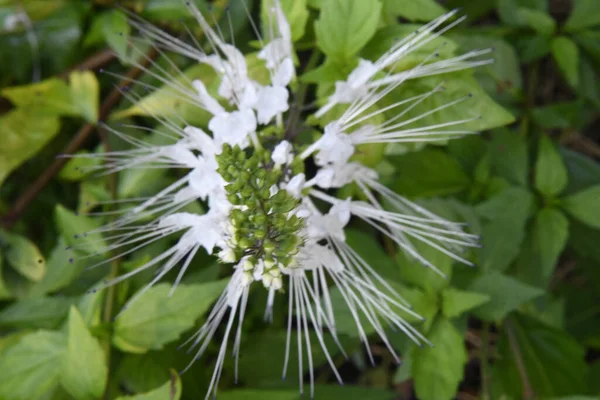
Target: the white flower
(268, 213)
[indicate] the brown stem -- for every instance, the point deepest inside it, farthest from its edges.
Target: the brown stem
(514, 346)
(81, 136)
(95, 61)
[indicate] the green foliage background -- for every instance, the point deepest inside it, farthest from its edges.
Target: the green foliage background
(523, 324)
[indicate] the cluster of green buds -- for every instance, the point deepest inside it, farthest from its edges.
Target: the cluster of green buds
(265, 233)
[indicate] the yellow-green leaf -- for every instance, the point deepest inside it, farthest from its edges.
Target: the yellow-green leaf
(84, 371)
(23, 255)
(24, 133)
(171, 390)
(85, 92)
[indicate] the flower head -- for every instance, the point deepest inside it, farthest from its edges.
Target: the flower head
(271, 219)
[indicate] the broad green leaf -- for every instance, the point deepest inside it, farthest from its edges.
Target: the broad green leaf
(585, 14)
(32, 366)
(4, 290)
(50, 97)
(438, 370)
(157, 319)
(169, 102)
(519, 13)
(420, 275)
(439, 174)
(345, 26)
(509, 156)
(414, 10)
(566, 55)
(474, 106)
(37, 312)
(584, 206)
(85, 93)
(171, 390)
(116, 31)
(59, 271)
(367, 247)
(24, 133)
(506, 294)
(583, 171)
(503, 228)
(23, 255)
(562, 115)
(84, 371)
(553, 361)
(75, 230)
(455, 302)
(550, 171)
(332, 392)
(589, 41)
(296, 12)
(544, 243)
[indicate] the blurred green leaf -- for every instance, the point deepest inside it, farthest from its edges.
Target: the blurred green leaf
(526, 14)
(566, 55)
(583, 171)
(4, 290)
(544, 243)
(84, 371)
(440, 174)
(414, 10)
(442, 364)
(23, 255)
(116, 31)
(415, 273)
(506, 295)
(455, 302)
(584, 206)
(296, 12)
(176, 101)
(562, 115)
(24, 133)
(170, 390)
(509, 156)
(553, 361)
(585, 14)
(75, 229)
(345, 26)
(321, 391)
(85, 92)
(37, 312)
(157, 318)
(49, 97)
(550, 171)
(503, 228)
(32, 366)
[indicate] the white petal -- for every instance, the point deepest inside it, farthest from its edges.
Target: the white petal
(272, 100)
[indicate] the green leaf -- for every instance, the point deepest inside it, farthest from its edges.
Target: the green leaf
(583, 171)
(503, 229)
(544, 244)
(455, 302)
(439, 174)
(415, 273)
(116, 31)
(4, 290)
(506, 294)
(84, 371)
(585, 14)
(321, 391)
(367, 247)
(171, 390)
(519, 13)
(24, 133)
(23, 255)
(509, 156)
(553, 361)
(37, 312)
(32, 366)
(345, 26)
(75, 230)
(414, 10)
(157, 319)
(167, 102)
(550, 171)
(296, 12)
(442, 364)
(85, 93)
(566, 55)
(59, 271)
(50, 97)
(584, 206)
(562, 115)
